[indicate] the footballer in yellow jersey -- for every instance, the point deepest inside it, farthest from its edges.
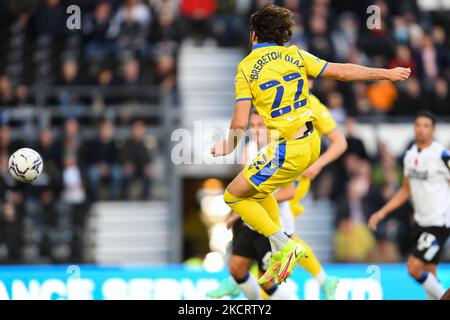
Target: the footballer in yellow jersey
(248, 246)
(273, 78)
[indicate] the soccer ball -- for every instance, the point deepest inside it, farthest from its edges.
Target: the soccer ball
(25, 165)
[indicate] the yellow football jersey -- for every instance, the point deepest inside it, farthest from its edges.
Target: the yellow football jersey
(275, 79)
(323, 122)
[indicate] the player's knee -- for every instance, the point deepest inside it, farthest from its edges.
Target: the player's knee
(415, 268)
(237, 272)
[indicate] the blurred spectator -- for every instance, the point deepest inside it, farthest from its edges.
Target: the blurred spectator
(11, 214)
(20, 8)
(346, 36)
(22, 97)
(354, 241)
(105, 78)
(51, 19)
(361, 100)
(7, 182)
(7, 146)
(95, 28)
(386, 172)
(70, 77)
(133, 10)
(429, 58)
(69, 74)
(319, 41)
(131, 74)
(440, 98)
(293, 5)
(196, 15)
(226, 26)
(48, 150)
(165, 5)
(102, 163)
(336, 106)
(6, 93)
(168, 32)
(136, 162)
(50, 179)
(10, 233)
(73, 191)
(378, 42)
(355, 144)
(165, 73)
(404, 59)
(71, 140)
(299, 37)
(411, 99)
(130, 26)
(442, 52)
(387, 176)
(401, 30)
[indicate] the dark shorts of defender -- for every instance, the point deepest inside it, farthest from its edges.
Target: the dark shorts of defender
(250, 244)
(429, 243)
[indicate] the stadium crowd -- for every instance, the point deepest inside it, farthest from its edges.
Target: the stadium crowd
(134, 43)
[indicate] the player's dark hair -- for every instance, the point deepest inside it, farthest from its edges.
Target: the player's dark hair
(427, 114)
(273, 24)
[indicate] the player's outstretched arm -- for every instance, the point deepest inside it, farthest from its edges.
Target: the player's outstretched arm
(238, 127)
(354, 72)
(396, 201)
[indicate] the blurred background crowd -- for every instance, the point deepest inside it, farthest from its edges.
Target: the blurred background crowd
(125, 54)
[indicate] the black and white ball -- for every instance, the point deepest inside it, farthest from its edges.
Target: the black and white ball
(25, 165)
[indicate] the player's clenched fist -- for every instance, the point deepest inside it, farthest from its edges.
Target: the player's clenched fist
(399, 74)
(220, 149)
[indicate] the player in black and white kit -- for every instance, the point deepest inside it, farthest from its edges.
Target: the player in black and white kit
(427, 182)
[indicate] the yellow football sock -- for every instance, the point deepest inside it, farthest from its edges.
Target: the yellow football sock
(270, 204)
(253, 213)
(301, 190)
(310, 264)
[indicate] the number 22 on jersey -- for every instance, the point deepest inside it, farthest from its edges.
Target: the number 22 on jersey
(276, 110)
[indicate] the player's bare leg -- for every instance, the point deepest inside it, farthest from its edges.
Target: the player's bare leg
(242, 281)
(425, 276)
(239, 266)
(239, 270)
(431, 267)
